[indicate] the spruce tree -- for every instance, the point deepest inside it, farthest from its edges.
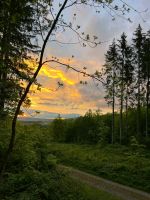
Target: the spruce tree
(125, 74)
(110, 73)
(138, 42)
(18, 28)
(146, 71)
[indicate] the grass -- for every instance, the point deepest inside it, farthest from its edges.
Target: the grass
(117, 163)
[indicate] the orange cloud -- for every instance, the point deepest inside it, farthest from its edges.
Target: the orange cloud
(56, 74)
(70, 98)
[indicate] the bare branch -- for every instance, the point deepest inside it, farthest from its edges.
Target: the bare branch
(72, 4)
(93, 76)
(65, 43)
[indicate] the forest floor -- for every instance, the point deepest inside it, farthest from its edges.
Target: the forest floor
(124, 192)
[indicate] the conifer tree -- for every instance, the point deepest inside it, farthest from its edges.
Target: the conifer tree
(138, 42)
(18, 28)
(110, 72)
(125, 74)
(146, 71)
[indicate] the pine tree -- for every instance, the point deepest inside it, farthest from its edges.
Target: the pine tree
(125, 77)
(138, 42)
(146, 71)
(110, 73)
(18, 27)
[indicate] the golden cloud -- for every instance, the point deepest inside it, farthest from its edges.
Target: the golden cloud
(56, 74)
(69, 99)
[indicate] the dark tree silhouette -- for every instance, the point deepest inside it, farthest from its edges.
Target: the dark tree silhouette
(110, 74)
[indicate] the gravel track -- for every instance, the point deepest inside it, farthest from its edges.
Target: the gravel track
(124, 192)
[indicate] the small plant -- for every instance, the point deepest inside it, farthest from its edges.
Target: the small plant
(134, 143)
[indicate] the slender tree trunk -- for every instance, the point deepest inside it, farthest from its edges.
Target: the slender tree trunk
(1, 106)
(147, 99)
(139, 104)
(126, 112)
(113, 109)
(121, 118)
(121, 102)
(113, 114)
(13, 132)
(138, 114)
(3, 74)
(2, 95)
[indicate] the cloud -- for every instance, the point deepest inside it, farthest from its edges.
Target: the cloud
(55, 74)
(73, 97)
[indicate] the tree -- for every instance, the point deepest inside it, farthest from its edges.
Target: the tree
(110, 72)
(125, 76)
(129, 78)
(58, 129)
(146, 71)
(138, 42)
(17, 33)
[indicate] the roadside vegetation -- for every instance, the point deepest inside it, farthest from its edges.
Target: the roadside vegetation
(32, 171)
(117, 163)
(85, 143)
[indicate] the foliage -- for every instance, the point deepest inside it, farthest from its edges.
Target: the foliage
(126, 75)
(53, 185)
(38, 185)
(87, 129)
(94, 128)
(31, 172)
(17, 24)
(115, 162)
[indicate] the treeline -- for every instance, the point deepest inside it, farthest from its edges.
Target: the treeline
(95, 128)
(126, 79)
(127, 82)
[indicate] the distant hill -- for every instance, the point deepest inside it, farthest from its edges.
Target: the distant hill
(30, 120)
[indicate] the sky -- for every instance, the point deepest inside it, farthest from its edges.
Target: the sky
(73, 98)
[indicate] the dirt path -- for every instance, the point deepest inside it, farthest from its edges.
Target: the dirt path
(124, 192)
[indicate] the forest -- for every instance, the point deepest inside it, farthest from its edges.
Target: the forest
(126, 79)
(114, 145)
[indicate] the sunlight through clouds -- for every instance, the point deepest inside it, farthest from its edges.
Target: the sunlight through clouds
(56, 74)
(74, 97)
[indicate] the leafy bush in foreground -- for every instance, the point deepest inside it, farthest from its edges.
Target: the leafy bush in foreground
(31, 171)
(39, 185)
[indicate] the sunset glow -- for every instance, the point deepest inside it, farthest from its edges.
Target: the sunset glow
(56, 74)
(74, 97)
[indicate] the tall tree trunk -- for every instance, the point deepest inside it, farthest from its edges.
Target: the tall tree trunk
(2, 76)
(121, 117)
(113, 114)
(147, 99)
(121, 102)
(126, 113)
(2, 90)
(139, 104)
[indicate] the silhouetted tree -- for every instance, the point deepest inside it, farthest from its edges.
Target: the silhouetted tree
(18, 28)
(138, 42)
(110, 73)
(146, 71)
(125, 76)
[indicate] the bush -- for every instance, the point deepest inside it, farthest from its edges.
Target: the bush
(35, 185)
